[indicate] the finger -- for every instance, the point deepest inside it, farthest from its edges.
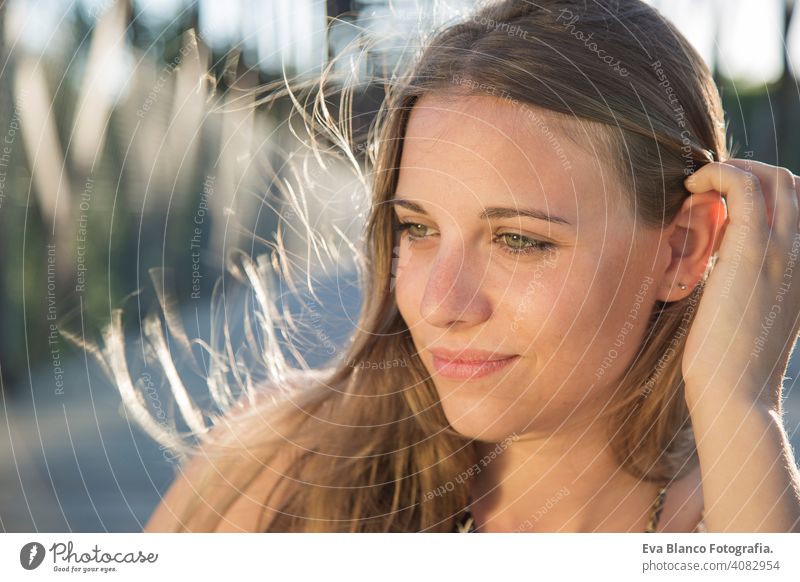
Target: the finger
(747, 214)
(780, 194)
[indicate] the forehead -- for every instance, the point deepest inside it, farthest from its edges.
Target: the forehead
(491, 149)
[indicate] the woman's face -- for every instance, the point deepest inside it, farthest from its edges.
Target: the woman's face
(564, 301)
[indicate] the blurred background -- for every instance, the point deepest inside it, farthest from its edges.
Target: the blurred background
(130, 139)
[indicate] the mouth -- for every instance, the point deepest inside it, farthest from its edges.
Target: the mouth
(469, 364)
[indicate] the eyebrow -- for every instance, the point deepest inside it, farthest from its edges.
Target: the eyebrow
(492, 212)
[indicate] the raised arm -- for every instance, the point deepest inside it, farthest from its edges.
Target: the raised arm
(738, 349)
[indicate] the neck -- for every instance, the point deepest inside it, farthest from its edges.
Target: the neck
(564, 482)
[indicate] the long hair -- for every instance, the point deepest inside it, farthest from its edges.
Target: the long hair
(373, 440)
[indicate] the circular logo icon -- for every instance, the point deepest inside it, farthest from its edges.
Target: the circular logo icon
(31, 555)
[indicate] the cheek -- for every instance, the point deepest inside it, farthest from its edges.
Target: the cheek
(407, 283)
(571, 314)
(612, 324)
(537, 310)
(529, 303)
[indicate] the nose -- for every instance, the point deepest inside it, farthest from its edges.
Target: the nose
(455, 292)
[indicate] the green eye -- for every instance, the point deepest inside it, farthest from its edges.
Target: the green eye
(414, 230)
(516, 241)
(512, 243)
(515, 244)
(417, 230)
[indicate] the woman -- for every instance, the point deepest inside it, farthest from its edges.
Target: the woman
(580, 329)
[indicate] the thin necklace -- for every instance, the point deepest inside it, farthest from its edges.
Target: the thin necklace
(467, 523)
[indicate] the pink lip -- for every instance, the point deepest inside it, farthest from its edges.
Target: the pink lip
(469, 364)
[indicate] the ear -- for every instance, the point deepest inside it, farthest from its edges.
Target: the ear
(692, 238)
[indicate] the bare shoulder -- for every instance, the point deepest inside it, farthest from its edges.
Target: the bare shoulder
(256, 507)
(249, 512)
(683, 506)
(253, 508)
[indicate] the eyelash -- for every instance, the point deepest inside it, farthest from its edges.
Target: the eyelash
(535, 245)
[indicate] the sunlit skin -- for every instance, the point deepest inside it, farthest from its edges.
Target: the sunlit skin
(457, 287)
(558, 309)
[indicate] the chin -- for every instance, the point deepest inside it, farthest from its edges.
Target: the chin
(482, 422)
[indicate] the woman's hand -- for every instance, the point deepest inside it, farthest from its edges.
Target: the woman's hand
(737, 350)
(747, 320)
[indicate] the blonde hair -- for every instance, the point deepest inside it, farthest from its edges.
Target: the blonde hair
(375, 441)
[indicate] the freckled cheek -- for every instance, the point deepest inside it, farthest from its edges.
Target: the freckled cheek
(408, 282)
(534, 309)
(559, 306)
(402, 257)
(606, 332)
(530, 301)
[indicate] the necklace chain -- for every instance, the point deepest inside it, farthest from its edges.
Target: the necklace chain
(467, 523)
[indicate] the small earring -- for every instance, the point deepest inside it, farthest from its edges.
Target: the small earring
(682, 286)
